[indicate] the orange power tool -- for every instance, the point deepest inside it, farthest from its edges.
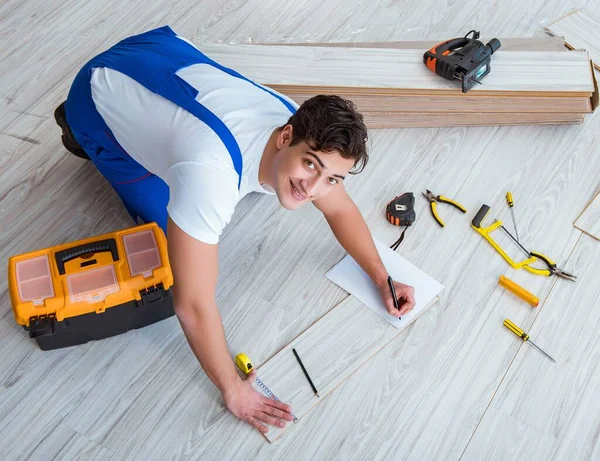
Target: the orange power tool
(465, 59)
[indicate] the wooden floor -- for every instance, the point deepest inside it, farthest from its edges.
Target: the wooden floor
(456, 386)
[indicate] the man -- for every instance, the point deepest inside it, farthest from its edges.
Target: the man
(182, 139)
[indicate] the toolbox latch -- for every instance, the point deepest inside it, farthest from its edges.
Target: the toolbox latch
(42, 325)
(152, 295)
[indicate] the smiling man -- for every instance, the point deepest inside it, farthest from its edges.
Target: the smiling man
(182, 140)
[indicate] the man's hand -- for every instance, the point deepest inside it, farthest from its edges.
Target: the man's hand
(405, 295)
(254, 408)
(350, 228)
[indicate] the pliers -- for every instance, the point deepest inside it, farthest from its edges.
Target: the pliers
(433, 199)
(552, 269)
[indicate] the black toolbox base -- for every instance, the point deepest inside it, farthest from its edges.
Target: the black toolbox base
(156, 305)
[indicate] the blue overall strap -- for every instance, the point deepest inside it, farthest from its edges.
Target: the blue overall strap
(153, 58)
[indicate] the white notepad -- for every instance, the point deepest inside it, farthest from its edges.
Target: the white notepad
(349, 275)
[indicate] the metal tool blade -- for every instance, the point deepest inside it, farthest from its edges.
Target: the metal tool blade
(515, 223)
(533, 344)
(514, 239)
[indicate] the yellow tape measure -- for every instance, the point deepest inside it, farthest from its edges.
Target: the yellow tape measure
(243, 363)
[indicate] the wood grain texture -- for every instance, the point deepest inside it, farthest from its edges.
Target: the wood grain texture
(395, 120)
(547, 43)
(539, 72)
(589, 221)
(554, 406)
(332, 349)
(581, 31)
(459, 110)
(65, 443)
(449, 104)
(426, 394)
(402, 104)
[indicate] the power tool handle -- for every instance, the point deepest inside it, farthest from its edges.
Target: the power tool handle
(441, 48)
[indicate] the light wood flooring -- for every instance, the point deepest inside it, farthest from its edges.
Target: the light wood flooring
(589, 221)
(455, 386)
(580, 31)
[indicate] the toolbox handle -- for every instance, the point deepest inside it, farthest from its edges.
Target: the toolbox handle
(96, 247)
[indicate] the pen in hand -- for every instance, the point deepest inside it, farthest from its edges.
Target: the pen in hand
(391, 284)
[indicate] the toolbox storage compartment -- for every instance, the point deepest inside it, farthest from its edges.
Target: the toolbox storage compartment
(93, 288)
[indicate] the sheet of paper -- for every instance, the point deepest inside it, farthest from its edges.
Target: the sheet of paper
(349, 275)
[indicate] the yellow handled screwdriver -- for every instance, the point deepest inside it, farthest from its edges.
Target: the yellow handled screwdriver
(511, 204)
(524, 336)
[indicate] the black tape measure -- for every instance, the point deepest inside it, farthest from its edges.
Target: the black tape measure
(401, 212)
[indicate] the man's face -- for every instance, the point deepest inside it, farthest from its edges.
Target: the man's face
(303, 175)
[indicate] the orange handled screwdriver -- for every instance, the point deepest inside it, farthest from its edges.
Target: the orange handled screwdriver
(518, 290)
(524, 336)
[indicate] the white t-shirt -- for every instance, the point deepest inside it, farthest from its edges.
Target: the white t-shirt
(185, 152)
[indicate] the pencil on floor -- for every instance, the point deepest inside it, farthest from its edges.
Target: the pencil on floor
(306, 373)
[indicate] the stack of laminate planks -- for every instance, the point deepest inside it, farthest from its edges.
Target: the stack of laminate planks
(393, 89)
(581, 31)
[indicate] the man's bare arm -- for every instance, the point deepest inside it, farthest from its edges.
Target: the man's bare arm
(195, 273)
(351, 230)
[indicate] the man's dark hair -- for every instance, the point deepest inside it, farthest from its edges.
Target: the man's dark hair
(330, 123)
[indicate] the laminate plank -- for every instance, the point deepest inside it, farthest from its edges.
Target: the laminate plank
(331, 432)
(517, 440)
(167, 385)
(547, 43)
(333, 349)
(449, 104)
(580, 32)
(539, 72)
(63, 443)
(483, 93)
(129, 376)
(589, 220)
(558, 402)
(391, 120)
(43, 388)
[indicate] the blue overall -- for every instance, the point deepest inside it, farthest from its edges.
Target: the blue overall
(152, 59)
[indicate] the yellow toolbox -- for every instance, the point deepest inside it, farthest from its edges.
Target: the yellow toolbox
(93, 288)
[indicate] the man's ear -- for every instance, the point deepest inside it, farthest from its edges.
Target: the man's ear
(284, 137)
